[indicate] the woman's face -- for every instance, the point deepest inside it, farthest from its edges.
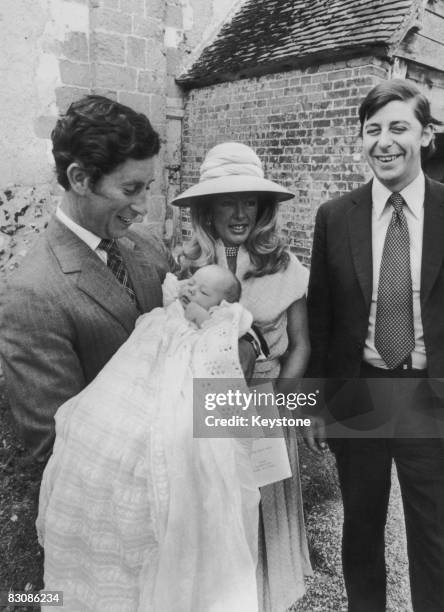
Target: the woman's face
(234, 216)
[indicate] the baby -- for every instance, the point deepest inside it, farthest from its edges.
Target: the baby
(128, 477)
(207, 288)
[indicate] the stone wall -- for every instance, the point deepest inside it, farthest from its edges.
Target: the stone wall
(34, 36)
(304, 126)
(55, 51)
(37, 38)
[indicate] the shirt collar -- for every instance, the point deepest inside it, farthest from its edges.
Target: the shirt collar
(88, 237)
(413, 195)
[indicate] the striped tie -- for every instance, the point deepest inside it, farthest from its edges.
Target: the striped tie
(394, 331)
(117, 266)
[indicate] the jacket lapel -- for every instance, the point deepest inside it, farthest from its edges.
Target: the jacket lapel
(360, 233)
(94, 278)
(433, 241)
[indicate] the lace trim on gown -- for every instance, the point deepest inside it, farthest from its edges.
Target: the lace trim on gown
(135, 513)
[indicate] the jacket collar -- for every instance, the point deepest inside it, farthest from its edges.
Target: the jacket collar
(360, 233)
(433, 243)
(97, 281)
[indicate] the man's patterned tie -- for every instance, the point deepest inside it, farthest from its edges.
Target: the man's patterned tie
(394, 331)
(117, 266)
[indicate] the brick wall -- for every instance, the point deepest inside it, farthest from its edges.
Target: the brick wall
(304, 127)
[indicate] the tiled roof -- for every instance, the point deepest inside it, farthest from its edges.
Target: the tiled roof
(265, 35)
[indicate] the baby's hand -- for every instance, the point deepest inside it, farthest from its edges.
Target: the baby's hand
(183, 282)
(195, 313)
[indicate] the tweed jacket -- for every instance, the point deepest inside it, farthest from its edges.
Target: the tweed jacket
(62, 317)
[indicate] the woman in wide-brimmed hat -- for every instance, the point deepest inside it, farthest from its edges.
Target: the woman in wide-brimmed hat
(234, 218)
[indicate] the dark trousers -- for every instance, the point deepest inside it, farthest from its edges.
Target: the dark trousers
(364, 468)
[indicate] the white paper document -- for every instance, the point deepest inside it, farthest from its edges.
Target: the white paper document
(269, 455)
(270, 460)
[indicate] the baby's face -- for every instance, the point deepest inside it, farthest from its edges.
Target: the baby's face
(206, 287)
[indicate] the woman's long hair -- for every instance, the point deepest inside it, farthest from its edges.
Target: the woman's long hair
(264, 245)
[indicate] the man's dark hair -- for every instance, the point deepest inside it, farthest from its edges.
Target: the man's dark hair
(100, 134)
(402, 91)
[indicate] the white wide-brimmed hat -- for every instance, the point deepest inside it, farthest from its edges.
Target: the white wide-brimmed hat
(231, 167)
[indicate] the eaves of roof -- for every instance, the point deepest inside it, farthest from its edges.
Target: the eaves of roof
(267, 36)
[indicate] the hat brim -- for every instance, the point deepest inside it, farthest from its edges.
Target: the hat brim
(231, 184)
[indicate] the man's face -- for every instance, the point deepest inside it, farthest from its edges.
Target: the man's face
(118, 199)
(392, 139)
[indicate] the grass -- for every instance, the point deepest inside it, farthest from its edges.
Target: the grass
(323, 518)
(20, 556)
(318, 477)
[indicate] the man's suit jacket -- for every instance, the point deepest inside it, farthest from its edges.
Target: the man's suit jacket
(341, 276)
(63, 316)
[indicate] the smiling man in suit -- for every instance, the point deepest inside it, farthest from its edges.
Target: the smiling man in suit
(77, 295)
(376, 311)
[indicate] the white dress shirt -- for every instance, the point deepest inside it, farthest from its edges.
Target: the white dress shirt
(413, 195)
(88, 237)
